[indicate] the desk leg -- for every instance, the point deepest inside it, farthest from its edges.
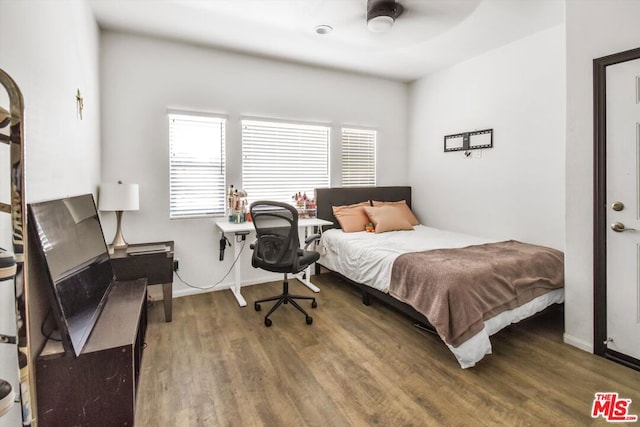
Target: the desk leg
(239, 297)
(235, 288)
(306, 280)
(167, 296)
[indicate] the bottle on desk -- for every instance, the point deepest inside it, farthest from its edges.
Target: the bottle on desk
(230, 203)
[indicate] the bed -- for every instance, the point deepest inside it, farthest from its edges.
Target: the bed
(465, 288)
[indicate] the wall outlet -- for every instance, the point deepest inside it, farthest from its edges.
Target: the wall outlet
(175, 265)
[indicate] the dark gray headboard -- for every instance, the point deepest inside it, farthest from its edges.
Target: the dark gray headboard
(326, 198)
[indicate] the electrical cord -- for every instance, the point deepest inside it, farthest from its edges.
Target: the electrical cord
(48, 335)
(244, 242)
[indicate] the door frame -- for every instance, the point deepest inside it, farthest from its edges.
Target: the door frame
(600, 205)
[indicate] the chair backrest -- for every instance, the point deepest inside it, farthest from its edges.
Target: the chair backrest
(277, 242)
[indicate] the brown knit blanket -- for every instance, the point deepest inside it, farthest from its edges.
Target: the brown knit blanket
(457, 289)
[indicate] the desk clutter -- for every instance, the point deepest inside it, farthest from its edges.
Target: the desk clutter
(305, 205)
(238, 206)
(237, 209)
(142, 249)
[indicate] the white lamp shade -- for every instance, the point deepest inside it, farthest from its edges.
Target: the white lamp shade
(119, 197)
(380, 24)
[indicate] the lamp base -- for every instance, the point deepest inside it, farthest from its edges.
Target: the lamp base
(118, 240)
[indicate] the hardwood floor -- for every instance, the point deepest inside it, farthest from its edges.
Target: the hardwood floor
(217, 364)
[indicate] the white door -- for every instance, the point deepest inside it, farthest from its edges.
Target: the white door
(623, 210)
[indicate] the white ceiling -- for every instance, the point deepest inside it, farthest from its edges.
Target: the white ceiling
(431, 34)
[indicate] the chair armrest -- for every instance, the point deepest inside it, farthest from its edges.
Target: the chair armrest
(311, 239)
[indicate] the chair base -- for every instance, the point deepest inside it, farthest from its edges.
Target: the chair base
(285, 298)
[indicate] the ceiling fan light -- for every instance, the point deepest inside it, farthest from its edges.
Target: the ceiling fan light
(380, 24)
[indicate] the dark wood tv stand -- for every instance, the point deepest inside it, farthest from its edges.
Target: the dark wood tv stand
(100, 384)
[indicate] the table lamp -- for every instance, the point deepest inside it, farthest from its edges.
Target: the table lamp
(119, 197)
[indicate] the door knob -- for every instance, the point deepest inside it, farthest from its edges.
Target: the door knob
(617, 206)
(619, 227)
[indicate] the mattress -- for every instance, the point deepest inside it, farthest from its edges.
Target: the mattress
(368, 258)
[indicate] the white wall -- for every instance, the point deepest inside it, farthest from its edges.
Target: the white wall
(516, 189)
(593, 29)
(51, 50)
(142, 77)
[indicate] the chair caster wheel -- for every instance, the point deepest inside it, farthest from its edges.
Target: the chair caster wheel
(257, 307)
(314, 304)
(309, 320)
(267, 322)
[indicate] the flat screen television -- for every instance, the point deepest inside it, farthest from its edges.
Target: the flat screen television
(71, 243)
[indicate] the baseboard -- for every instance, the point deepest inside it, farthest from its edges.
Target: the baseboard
(577, 342)
(186, 291)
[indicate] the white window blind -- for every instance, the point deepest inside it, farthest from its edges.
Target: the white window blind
(280, 159)
(196, 165)
(358, 157)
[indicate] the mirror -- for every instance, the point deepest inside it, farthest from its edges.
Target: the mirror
(13, 135)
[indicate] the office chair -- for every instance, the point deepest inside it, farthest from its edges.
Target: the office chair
(277, 249)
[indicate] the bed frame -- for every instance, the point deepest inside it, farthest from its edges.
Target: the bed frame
(326, 198)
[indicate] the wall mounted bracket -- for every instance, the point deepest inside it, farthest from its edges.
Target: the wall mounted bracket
(465, 141)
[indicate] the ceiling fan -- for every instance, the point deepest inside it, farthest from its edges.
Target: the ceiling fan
(381, 14)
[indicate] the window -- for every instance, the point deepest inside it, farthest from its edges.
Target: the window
(196, 165)
(280, 159)
(358, 157)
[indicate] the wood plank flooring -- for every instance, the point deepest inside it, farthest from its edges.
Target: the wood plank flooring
(217, 364)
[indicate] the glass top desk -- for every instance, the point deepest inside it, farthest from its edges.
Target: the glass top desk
(238, 229)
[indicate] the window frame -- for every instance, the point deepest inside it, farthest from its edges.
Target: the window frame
(287, 127)
(217, 208)
(344, 164)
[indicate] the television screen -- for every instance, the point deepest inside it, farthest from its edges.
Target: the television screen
(72, 244)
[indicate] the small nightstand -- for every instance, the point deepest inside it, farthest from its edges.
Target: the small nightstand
(153, 261)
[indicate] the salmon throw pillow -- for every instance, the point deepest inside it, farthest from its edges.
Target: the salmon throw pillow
(387, 218)
(352, 218)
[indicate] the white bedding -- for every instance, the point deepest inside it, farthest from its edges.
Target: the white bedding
(368, 258)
